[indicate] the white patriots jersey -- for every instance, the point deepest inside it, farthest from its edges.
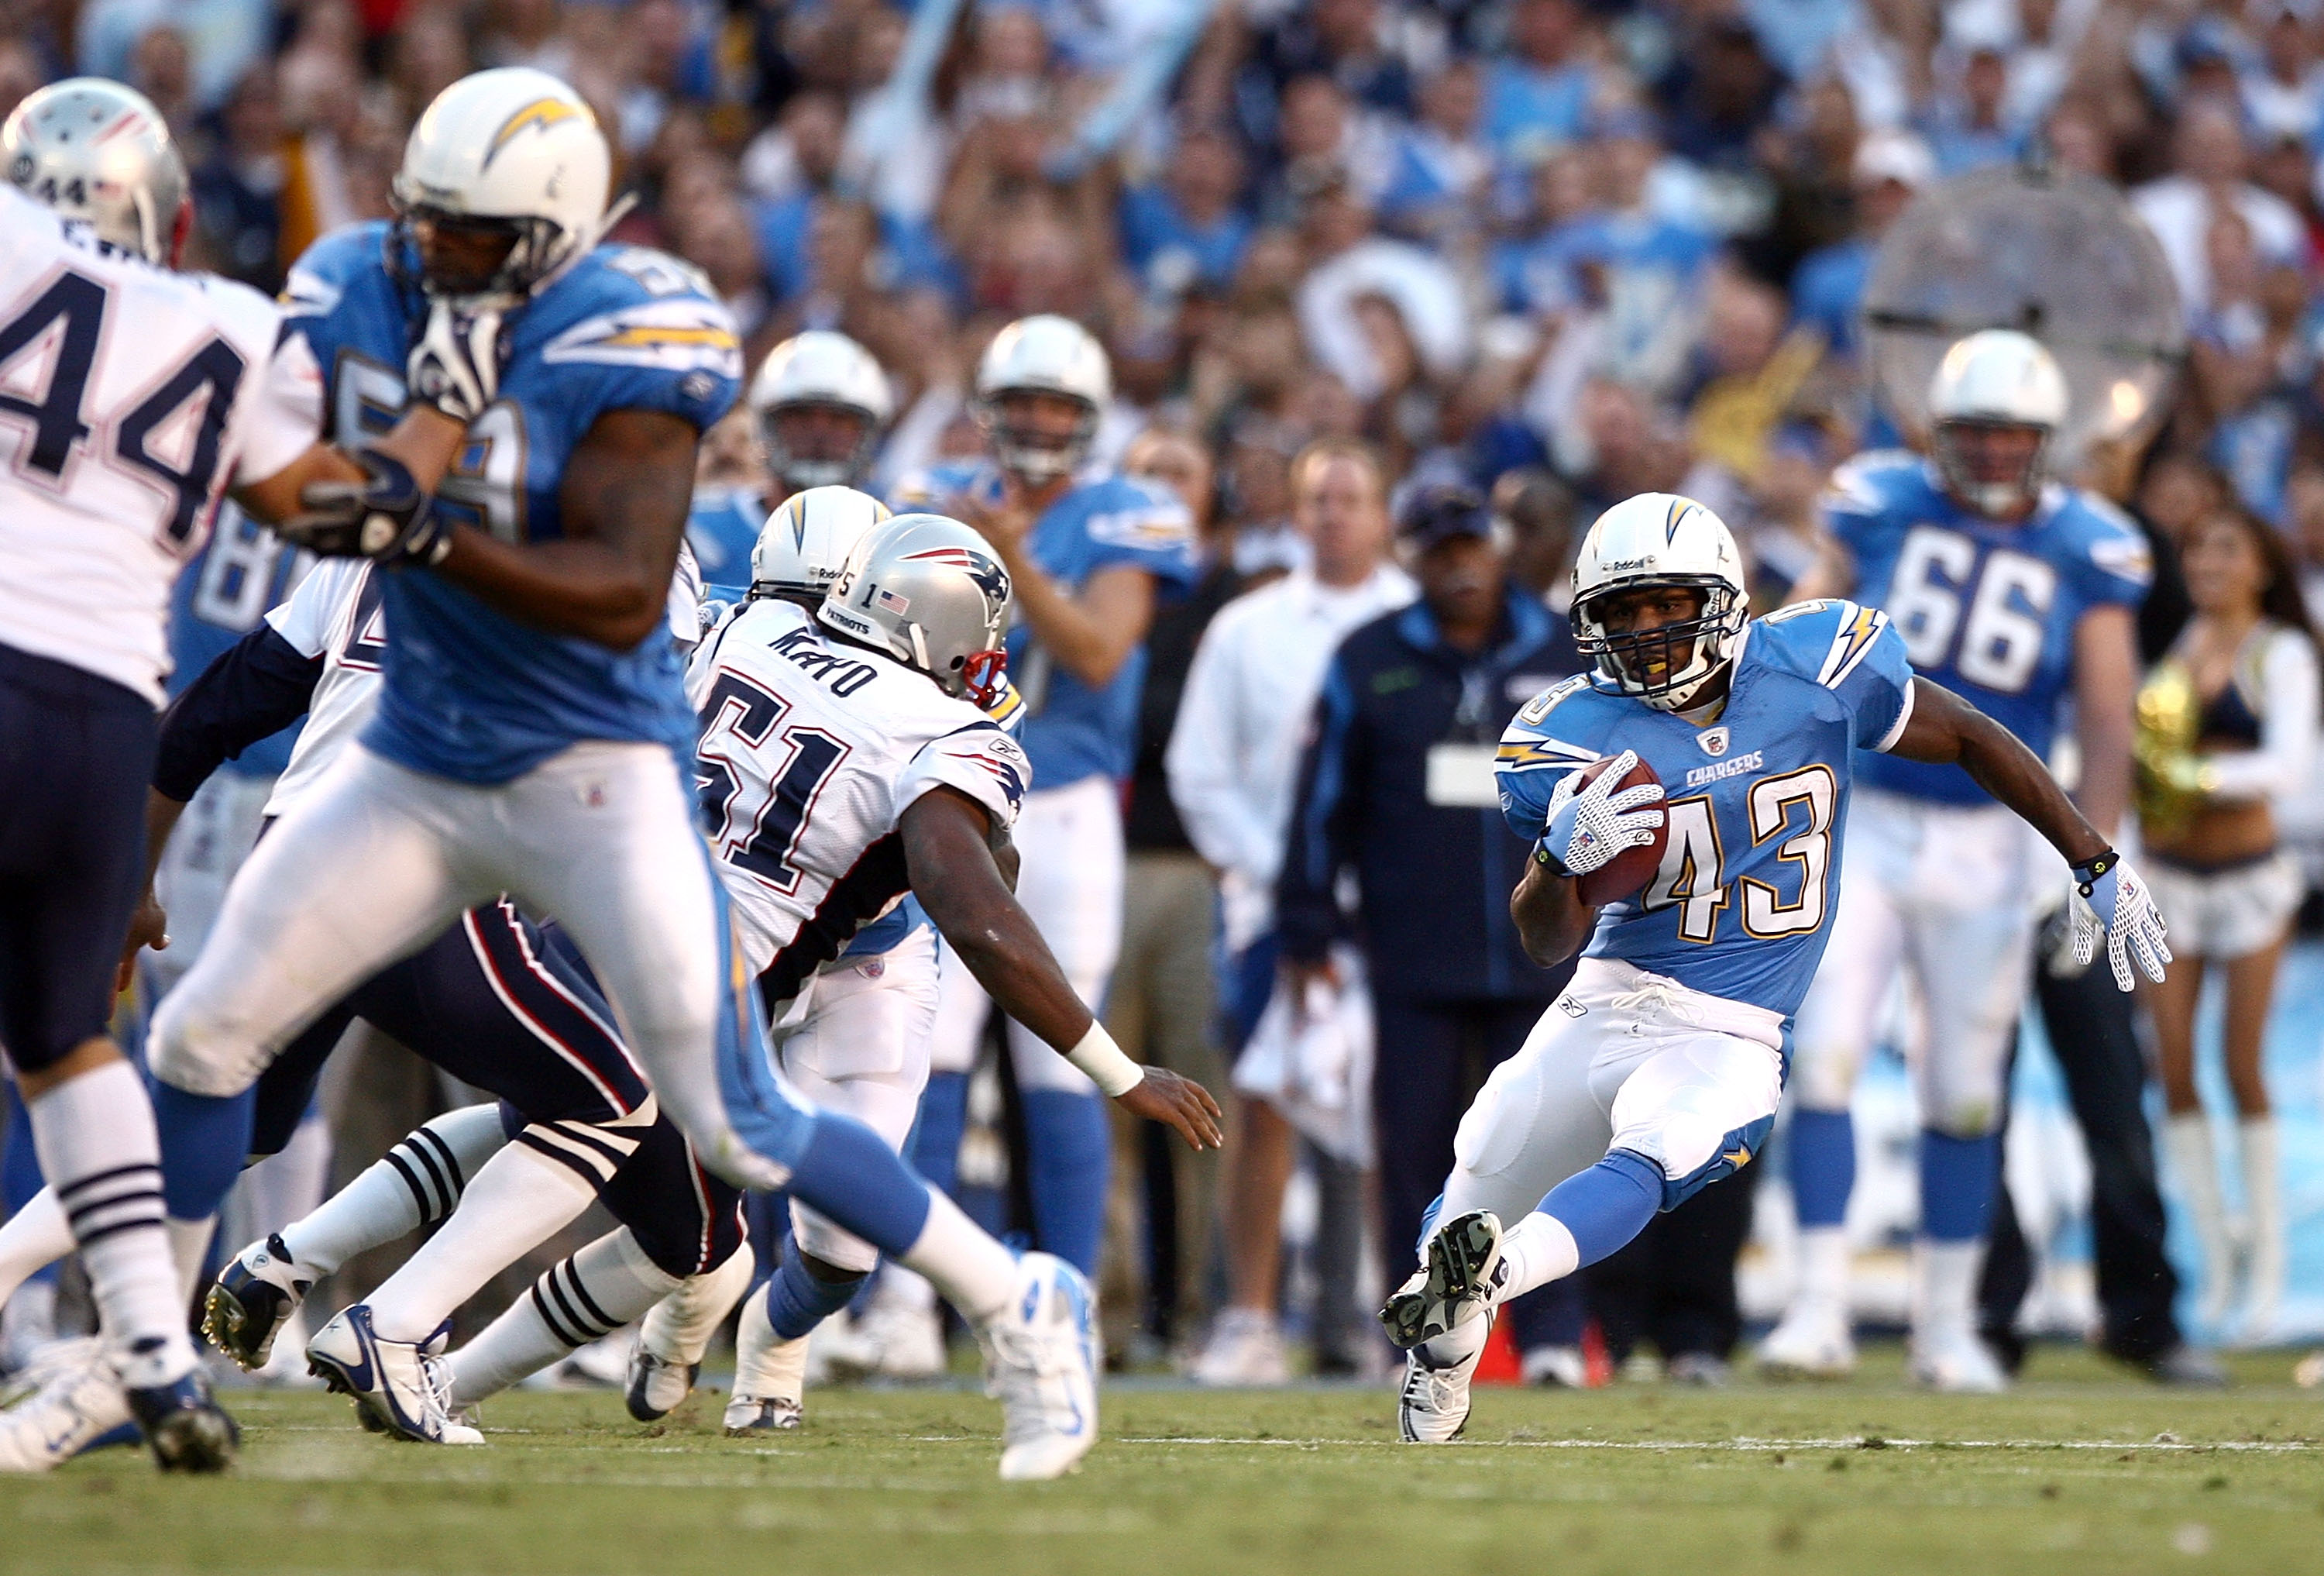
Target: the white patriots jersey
(131, 397)
(812, 749)
(339, 614)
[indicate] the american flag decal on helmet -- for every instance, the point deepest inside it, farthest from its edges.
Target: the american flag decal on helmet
(898, 605)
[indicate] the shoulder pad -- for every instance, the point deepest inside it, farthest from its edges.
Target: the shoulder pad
(320, 277)
(1822, 640)
(673, 334)
(1868, 482)
(1525, 747)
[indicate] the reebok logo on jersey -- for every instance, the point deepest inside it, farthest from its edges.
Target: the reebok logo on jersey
(1741, 765)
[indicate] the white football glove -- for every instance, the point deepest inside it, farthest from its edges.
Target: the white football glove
(1588, 826)
(456, 365)
(2108, 899)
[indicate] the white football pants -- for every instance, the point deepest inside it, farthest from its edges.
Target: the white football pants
(1070, 839)
(1940, 892)
(1623, 1060)
(376, 860)
(863, 1050)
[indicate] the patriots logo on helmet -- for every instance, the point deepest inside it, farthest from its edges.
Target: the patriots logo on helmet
(989, 575)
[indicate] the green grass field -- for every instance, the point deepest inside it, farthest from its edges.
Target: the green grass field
(2082, 1471)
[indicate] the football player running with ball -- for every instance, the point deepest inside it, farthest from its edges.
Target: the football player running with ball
(1658, 1070)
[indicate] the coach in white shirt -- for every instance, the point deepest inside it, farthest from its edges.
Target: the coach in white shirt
(1232, 763)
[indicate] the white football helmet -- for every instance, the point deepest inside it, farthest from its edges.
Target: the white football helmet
(1043, 354)
(1995, 378)
(820, 368)
(1660, 538)
(100, 152)
(805, 543)
(930, 593)
(513, 149)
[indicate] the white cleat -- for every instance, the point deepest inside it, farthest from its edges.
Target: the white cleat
(1461, 1269)
(896, 1342)
(1957, 1362)
(770, 1375)
(656, 1388)
(255, 1298)
(1556, 1368)
(1813, 1341)
(1245, 1350)
(1433, 1407)
(749, 1416)
(1041, 1357)
(79, 1405)
(399, 1387)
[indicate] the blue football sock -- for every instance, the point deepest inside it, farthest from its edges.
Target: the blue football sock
(1608, 1204)
(1958, 1176)
(850, 1175)
(797, 1302)
(935, 1148)
(1072, 1160)
(1822, 1166)
(205, 1139)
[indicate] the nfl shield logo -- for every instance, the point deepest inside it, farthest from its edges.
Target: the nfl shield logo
(1713, 742)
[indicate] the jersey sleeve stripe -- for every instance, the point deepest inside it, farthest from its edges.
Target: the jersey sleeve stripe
(1534, 754)
(1888, 741)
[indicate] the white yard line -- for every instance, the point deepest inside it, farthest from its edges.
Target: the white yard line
(2259, 1446)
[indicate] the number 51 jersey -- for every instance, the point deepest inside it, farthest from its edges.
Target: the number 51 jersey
(470, 692)
(131, 397)
(812, 749)
(1751, 874)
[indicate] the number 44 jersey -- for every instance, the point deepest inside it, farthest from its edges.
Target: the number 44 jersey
(812, 749)
(1751, 874)
(131, 397)
(1985, 609)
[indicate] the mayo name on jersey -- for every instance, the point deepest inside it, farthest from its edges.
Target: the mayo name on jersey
(1751, 874)
(1988, 610)
(1104, 521)
(471, 693)
(245, 573)
(131, 397)
(812, 749)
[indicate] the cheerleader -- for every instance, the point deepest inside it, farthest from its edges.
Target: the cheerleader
(2229, 721)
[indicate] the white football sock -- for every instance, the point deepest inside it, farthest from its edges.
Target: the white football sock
(2186, 1140)
(975, 1272)
(99, 1149)
(678, 1328)
(761, 1369)
(1944, 1285)
(190, 1253)
(1824, 1264)
(516, 1201)
(2263, 1224)
(592, 1293)
(1538, 1249)
(34, 1237)
(417, 1180)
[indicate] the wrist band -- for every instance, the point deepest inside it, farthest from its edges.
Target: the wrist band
(1114, 1073)
(2088, 872)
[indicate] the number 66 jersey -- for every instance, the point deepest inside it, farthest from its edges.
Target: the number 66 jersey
(1755, 802)
(812, 749)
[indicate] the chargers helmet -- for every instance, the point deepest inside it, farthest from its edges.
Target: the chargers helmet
(100, 152)
(1996, 378)
(1042, 355)
(514, 151)
(820, 368)
(805, 543)
(1660, 538)
(929, 593)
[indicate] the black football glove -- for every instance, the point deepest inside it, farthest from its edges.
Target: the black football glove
(385, 517)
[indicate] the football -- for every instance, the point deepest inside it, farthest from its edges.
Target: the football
(1626, 874)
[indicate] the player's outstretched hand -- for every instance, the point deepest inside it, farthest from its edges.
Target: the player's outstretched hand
(385, 517)
(148, 927)
(2109, 900)
(1162, 1096)
(1589, 824)
(455, 363)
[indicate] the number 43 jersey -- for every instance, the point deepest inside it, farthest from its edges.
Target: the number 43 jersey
(812, 749)
(1751, 874)
(470, 692)
(131, 397)
(1985, 609)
